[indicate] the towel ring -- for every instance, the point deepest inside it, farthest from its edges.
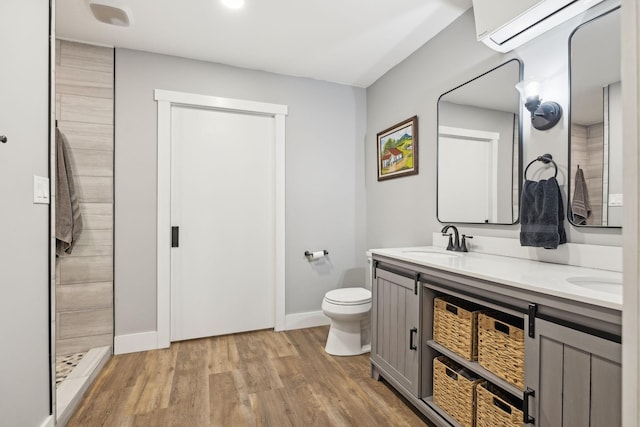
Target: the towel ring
(545, 158)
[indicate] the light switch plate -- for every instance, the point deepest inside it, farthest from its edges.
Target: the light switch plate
(40, 190)
(615, 199)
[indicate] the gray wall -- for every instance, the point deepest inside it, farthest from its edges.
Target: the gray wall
(413, 87)
(325, 207)
(24, 227)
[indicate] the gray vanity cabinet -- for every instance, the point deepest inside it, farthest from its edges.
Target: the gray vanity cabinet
(573, 375)
(395, 341)
(576, 376)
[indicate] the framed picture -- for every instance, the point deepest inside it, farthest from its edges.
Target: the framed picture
(398, 150)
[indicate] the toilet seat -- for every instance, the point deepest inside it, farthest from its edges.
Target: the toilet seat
(348, 296)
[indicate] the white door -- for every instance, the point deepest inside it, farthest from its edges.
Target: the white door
(222, 200)
(467, 185)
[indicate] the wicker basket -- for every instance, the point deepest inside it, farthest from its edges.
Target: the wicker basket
(501, 346)
(496, 409)
(453, 392)
(455, 324)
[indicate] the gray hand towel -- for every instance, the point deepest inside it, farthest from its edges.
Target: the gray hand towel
(68, 219)
(542, 214)
(580, 204)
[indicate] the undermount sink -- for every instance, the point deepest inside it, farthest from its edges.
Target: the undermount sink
(433, 254)
(601, 284)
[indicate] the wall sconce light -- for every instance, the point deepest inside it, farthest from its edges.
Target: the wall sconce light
(544, 115)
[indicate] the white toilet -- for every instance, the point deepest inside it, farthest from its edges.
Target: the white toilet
(349, 310)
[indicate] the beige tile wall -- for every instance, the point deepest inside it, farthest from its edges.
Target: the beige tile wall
(587, 151)
(593, 171)
(84, 280)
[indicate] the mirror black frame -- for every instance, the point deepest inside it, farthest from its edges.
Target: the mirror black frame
(513, 166)
(570, 108)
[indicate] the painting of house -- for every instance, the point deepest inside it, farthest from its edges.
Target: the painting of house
(397, 150)
(391, 157)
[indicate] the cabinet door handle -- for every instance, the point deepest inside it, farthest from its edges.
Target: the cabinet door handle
(412, 331)
(528, 419)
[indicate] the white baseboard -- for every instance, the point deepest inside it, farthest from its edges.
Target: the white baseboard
(144, 341)
(305, 320)
(48, 422)
(133, 343)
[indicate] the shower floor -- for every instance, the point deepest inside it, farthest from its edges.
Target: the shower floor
(65, 364)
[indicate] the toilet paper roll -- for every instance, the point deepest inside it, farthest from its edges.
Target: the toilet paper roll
(317, 254)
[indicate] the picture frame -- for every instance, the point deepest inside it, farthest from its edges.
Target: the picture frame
(397, 149)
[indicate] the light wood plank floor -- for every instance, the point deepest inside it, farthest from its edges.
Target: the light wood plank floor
(258, 378)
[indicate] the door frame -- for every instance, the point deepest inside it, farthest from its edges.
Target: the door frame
(166, 100)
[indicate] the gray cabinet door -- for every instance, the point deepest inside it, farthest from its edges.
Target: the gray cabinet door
(395, 325)
(577, 377)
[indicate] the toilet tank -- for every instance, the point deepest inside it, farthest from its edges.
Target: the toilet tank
(369, 272)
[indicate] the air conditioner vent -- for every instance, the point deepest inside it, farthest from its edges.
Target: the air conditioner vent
(503, 26)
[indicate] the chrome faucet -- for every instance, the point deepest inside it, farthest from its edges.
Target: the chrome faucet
(454, 244)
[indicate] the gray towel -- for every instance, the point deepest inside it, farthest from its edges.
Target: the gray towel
(542, 214)
(68, 219)
(580, 205)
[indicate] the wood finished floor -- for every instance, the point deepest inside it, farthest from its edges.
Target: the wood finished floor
(258, 378)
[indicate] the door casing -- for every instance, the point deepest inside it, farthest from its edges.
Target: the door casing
(166, 99)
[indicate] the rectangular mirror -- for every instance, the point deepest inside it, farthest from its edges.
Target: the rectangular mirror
(595, 135)
(479, 149)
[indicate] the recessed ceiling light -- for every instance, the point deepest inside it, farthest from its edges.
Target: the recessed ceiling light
(233, 4)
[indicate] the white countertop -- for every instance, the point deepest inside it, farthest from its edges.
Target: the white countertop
(591, 286)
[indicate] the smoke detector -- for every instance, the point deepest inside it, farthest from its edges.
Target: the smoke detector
(111, 12)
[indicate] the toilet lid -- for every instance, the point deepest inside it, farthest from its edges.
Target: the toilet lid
(349, 296)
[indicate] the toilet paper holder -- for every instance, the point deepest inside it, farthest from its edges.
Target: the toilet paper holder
(316, 254)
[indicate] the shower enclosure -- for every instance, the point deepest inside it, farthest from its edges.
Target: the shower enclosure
(84, 76)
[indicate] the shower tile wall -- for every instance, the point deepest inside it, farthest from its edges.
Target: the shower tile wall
(84, 280)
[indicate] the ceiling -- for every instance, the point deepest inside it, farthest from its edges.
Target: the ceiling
(351, 42)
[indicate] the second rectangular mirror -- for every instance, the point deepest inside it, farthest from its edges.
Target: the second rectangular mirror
(595, 138)
(479, 140)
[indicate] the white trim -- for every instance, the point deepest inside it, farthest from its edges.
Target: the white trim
(229, 104)
(71, 391)
(164, 222)
(83, 41)
(494, 178)
(280, 222)
(605, 156)
(467, 133)
(310, 319)
(48, 422)
(493, 138)
(165, 101)
(630, 49)
(52, 214)
(132, 343)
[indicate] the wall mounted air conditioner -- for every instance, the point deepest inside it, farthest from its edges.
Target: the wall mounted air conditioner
(504, 25)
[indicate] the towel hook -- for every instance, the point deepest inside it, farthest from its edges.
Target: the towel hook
(3, 139)
(545, 158)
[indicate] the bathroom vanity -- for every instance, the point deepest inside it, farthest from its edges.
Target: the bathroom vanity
(571, 318)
